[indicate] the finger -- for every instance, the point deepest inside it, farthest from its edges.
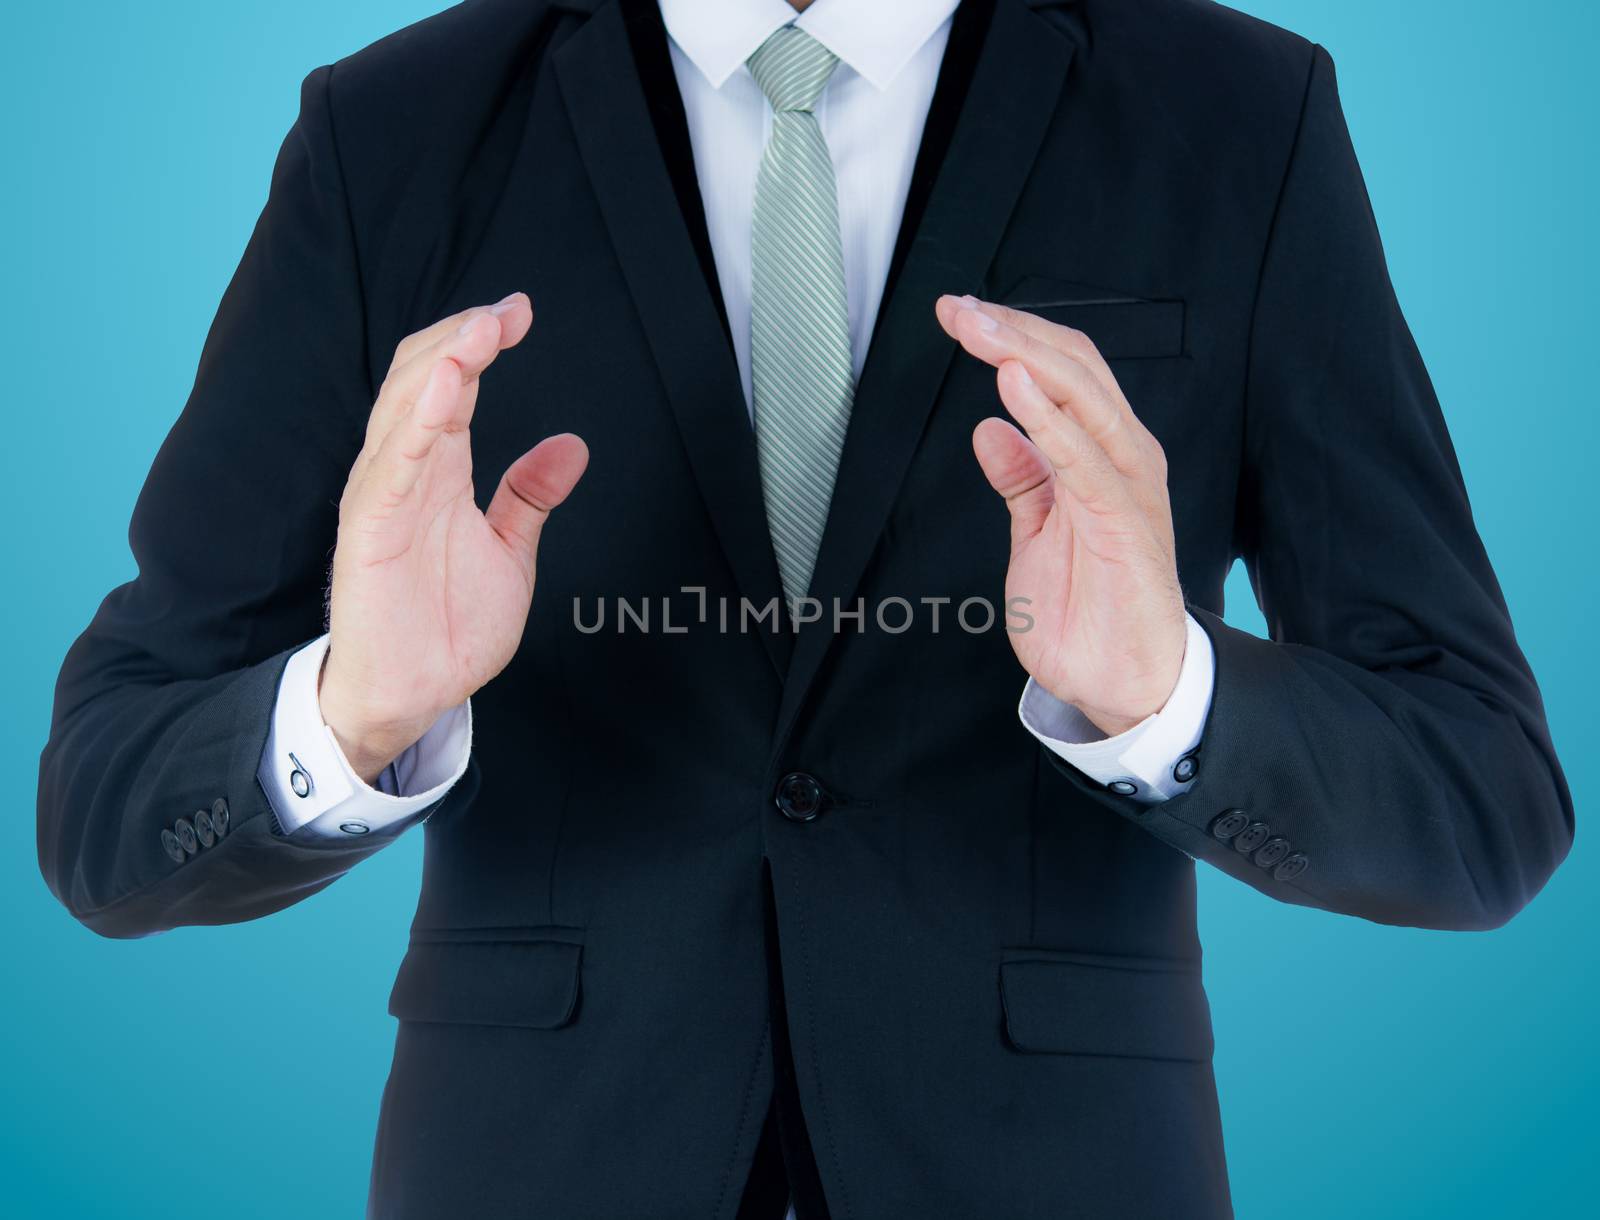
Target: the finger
(477, 337)
(472, 346)
(515, 306)
(946, 308)
(403, 455)
(1064, 339)
(531, 488)
(1019, 472)
(1067, 380)
(1080, 347)
(1082, 468)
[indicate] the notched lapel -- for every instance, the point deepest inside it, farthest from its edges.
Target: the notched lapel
(1016, 84)
(600, 86)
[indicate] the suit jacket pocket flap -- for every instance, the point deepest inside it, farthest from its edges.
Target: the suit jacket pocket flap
(530, 984)
(1085, 1004)
(1122, 327)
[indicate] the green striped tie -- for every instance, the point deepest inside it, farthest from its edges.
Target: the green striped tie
(801, 372)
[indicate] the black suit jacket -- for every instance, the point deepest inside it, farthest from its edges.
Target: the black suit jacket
(990, 966)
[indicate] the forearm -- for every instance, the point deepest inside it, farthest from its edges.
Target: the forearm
(1417, 799)
(125, 761)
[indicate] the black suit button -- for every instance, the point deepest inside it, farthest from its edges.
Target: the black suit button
(1229, 823)
(203, 829)
(219, 816)
(1292, 867)
(1251, 837)
(1272, 852)
(800, 797)
(170, 844)
(1122, 787)
(1186, 768)
(184, 829)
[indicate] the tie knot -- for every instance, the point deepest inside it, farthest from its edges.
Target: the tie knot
(792, 67)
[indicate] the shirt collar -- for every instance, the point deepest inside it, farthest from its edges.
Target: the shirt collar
(876, 38)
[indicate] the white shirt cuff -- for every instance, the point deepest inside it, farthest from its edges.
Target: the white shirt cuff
(1149, 762)
(310, 784)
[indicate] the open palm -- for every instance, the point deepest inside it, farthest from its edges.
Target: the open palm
(1091, 526)
(430, 595)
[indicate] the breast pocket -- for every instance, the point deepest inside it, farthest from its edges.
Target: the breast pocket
(523, 978)
(1064, 1003)
(1121, 326)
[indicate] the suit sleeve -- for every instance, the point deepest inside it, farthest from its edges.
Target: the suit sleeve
(165, 701)
(1385, 753)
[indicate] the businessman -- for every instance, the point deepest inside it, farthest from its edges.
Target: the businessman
(704, 423)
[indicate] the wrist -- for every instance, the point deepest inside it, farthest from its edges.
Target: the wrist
(368, 753)
(369, 741)
(1112, 724)
(1137, 706)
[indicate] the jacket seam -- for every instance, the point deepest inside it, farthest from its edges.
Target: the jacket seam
(744, 1113)
(350, 226)
(1246, 397)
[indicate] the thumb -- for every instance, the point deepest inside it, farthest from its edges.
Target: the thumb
(531, 487)
(1018, 471)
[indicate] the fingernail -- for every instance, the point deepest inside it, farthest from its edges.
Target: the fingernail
(505, 306)
(985, 322)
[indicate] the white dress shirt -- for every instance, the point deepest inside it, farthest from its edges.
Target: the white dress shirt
(871, 114)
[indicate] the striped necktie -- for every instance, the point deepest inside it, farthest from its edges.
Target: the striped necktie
(801, 372)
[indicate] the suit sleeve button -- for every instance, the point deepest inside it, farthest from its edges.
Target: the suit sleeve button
(203, 828)
(1229, 823)
(1292, 867)
(1251, 837)
(184, 829)
(170, 845)
(1272, 852)
(219, 816)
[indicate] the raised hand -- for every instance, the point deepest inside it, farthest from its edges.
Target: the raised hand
(1091, 526)
(430, 595)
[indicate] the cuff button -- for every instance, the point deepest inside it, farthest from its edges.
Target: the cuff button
(1123, 787)
(1251, 837)
(1185, 769)
(170, 845)
(1229, 823)
(354, 828)
(1292, 867)
(1272, 852)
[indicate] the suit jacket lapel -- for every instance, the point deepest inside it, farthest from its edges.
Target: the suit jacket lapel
(1015, 86)
(599, 83)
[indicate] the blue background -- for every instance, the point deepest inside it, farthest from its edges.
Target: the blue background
(236, 1072)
